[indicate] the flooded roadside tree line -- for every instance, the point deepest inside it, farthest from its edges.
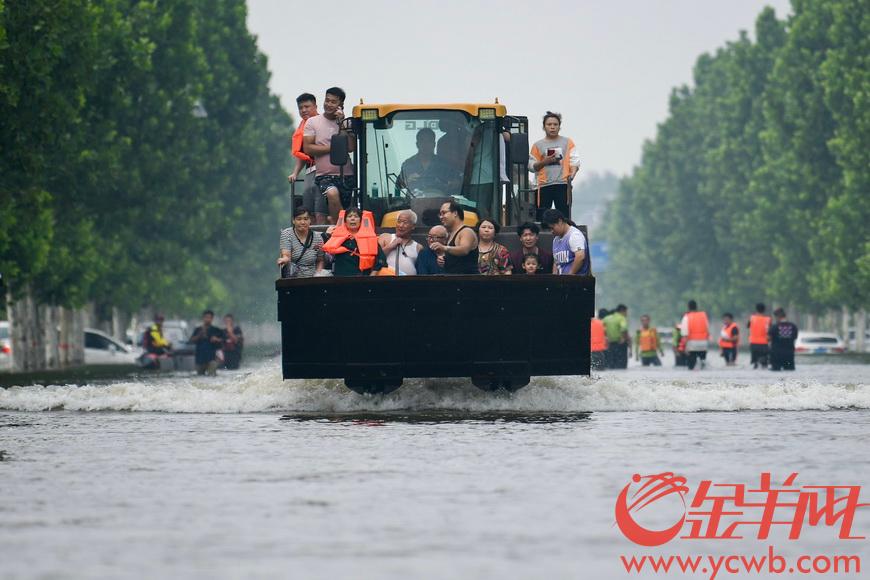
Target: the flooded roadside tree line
(755, 186)
(143, 165)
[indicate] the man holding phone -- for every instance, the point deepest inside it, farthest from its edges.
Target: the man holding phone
(335, 183)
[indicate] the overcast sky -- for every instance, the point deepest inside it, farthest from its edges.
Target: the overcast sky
(607, 66)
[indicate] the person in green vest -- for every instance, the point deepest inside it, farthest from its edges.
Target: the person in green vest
(616, 331)
(647, 343)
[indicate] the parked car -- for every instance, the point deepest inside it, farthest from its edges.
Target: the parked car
(819, 343)
(853, 343)
(102, 349)
(5, 346)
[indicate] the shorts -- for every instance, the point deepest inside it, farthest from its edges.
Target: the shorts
(312, 199)
(344, 185)
(651, 360)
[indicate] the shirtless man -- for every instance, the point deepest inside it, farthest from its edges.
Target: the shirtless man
(460, 252)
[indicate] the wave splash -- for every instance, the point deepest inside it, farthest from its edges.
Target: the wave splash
(262, 390)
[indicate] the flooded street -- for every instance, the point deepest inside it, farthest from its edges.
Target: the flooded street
(249, 476)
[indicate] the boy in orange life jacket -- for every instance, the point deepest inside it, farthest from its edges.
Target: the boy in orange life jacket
(728, 339)
(647, 344)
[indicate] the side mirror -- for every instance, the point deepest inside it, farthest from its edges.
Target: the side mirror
(519, 148)
(338, 153)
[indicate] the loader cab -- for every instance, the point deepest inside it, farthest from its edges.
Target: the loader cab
(419, 156)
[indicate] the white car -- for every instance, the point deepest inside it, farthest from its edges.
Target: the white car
(819, 343)
(5, 346)
(102, 349)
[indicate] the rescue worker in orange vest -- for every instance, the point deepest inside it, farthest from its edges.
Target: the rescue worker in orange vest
(311, 198)
(648, 345)
(598, 341)
(729, 337)
(758, 326)
(695, 327)
(353, 244)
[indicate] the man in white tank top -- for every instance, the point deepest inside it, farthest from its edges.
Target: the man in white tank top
(401, 250)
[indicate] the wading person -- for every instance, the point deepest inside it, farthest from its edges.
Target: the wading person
(335, 183)
(306, 103)
(758, 326)
(648, 346)
(695, 328)
(155, 345)
(598, 341)
(459, 254)
(301, 248)
(208, 341)
(555, 162)
(782, 336)
(729, 337)
(618, 341)
(233, 343)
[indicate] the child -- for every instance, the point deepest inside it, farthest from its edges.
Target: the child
(530, 264)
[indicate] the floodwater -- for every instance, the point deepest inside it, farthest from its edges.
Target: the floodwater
(249, 476)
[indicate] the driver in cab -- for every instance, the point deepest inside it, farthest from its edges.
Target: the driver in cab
(425, 171)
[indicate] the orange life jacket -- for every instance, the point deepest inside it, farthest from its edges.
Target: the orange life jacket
(699, 328)
(648, 340)
(728, 334)
(296, 144)
(758, 325)
(597, 340)
(366, 240)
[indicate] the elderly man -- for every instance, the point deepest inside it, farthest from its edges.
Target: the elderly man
(427, 261)
(402, 251)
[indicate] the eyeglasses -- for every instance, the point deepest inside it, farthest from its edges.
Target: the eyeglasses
(431, 237)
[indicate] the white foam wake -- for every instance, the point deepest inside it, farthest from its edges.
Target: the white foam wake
(262, 390)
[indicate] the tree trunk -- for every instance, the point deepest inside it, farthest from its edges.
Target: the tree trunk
(72, 332)
(120, 323)
(43, 336)
(27, 352)
(49, 334)
(860, 330)
(846, 324)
